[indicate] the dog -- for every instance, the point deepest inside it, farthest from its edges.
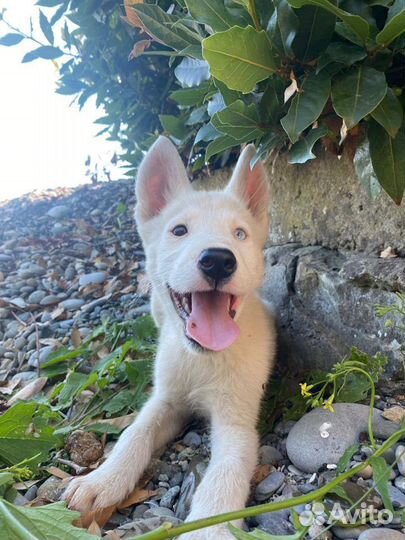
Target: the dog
(204, 258)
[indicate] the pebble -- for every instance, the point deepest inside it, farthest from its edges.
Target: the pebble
(192, 439)
(170, 497)
(400, 457)
(268, 455)
(58, 212)
(72, 303)
(400, 483)
(344, 533)
(275, 523)
(49, 300)
(92, 279)
(381, 534)
(44, 354)
(269, 485)
(397, 497)
(36, 297)
(321, 437)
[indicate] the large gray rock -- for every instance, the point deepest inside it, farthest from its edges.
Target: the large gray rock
(321, 437)
(325, 302)
(382, 534)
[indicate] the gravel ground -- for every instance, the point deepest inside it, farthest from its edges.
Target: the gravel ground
(71, 259)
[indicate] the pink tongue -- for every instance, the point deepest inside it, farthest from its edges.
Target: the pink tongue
(210, 323)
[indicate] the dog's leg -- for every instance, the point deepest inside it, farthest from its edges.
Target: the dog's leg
(156, 424)
(226, 483)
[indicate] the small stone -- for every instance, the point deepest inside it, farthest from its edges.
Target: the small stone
(170, 497)
(49, 300)
(268, 455)
(51, 489)
(20, 343)
(366, 473)
(275, 523)
(58, 212)
(44, 354)
(400, 456)
(192, 439)
(348, 533)
(31, 493)
(25, 377)
(36, 297)
(93, 278)
(157, 511)
(400, 483)
(381, 534)
(32, 270)
(4, 313)
(395, 414)
(140, 511)
(269, 485)
(72, 303)
(397, 497)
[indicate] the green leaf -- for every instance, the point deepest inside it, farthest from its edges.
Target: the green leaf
(257, 534)
(345, 460)
(20, 437)
(381, 476)
(174, 126)
(393, 28)
(214, 13)
(365, 172)
(283, 27)
(316, 27)
(192, 72)
(239, 57)
(358, 92)
(219, 145)
(46, 27)
(190, 96)
(272, 101)
(74, 385)
(11, 39)
(301, 151)
(239, 121)
(306, 105)
(389, 113)
(357, 24)
(168, 29)
(342, 53)
(41, 523)
(46, 51)
(388, 158)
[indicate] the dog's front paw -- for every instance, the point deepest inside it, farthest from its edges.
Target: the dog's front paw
(95, 491)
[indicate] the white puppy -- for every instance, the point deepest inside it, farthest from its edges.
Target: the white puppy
(216, 347)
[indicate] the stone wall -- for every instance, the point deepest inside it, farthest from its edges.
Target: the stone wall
(324, 272)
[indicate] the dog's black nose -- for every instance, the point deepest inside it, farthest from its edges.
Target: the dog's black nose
(217, 263)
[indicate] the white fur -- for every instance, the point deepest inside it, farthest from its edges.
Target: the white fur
(225, 386)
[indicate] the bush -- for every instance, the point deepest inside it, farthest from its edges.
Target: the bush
(214, 74)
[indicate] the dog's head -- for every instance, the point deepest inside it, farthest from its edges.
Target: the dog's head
(203, 248)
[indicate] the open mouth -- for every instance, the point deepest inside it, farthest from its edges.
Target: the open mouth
(208, 317)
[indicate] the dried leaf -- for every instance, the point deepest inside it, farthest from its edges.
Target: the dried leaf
(55, 471)
(143, 285)
(29, 391)
(120, 422)
(112, 535)
(136, 497)
(395, 414)
(261, 472)
(138, 48)
(291, 89)
(94, 529)
(99, 516)
(76, 338)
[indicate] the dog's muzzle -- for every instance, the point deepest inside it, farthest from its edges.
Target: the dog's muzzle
(217, 264)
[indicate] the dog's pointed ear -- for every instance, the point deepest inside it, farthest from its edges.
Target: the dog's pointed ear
(161, 176)
(251, 184)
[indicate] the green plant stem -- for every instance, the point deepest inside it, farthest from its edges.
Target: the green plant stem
(167, 531)
(372, 403)
(253, 12)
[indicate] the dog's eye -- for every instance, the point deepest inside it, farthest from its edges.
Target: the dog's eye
(179, 230)
(240, 234)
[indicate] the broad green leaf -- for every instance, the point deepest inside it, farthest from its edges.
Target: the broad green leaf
(393, 28)
(358, 92)
(20, 437)
(190, 96)
(381, 477)
(214, 13)
(74, 385)
(206, 132)
(301, 151)
(347, 33)
(316, 27)
(345, 460)
(41, 523)
(192, 72)
(229, 96)
(283, 27)
(167, 29)
(46, 27)
(257, 534)
(388, 158)
(389, 113)
(11, 39)
(239, 121)
(354, 389)
(239, 57)
(174, 126)
(216, 104)
(365, 172)
(267, 143)
(219, 145)
(342, 53)
(46, 52)
(272, 101)
(354, 22)
(307, 105)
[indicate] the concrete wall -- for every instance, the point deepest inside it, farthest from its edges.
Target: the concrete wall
(324, 271)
